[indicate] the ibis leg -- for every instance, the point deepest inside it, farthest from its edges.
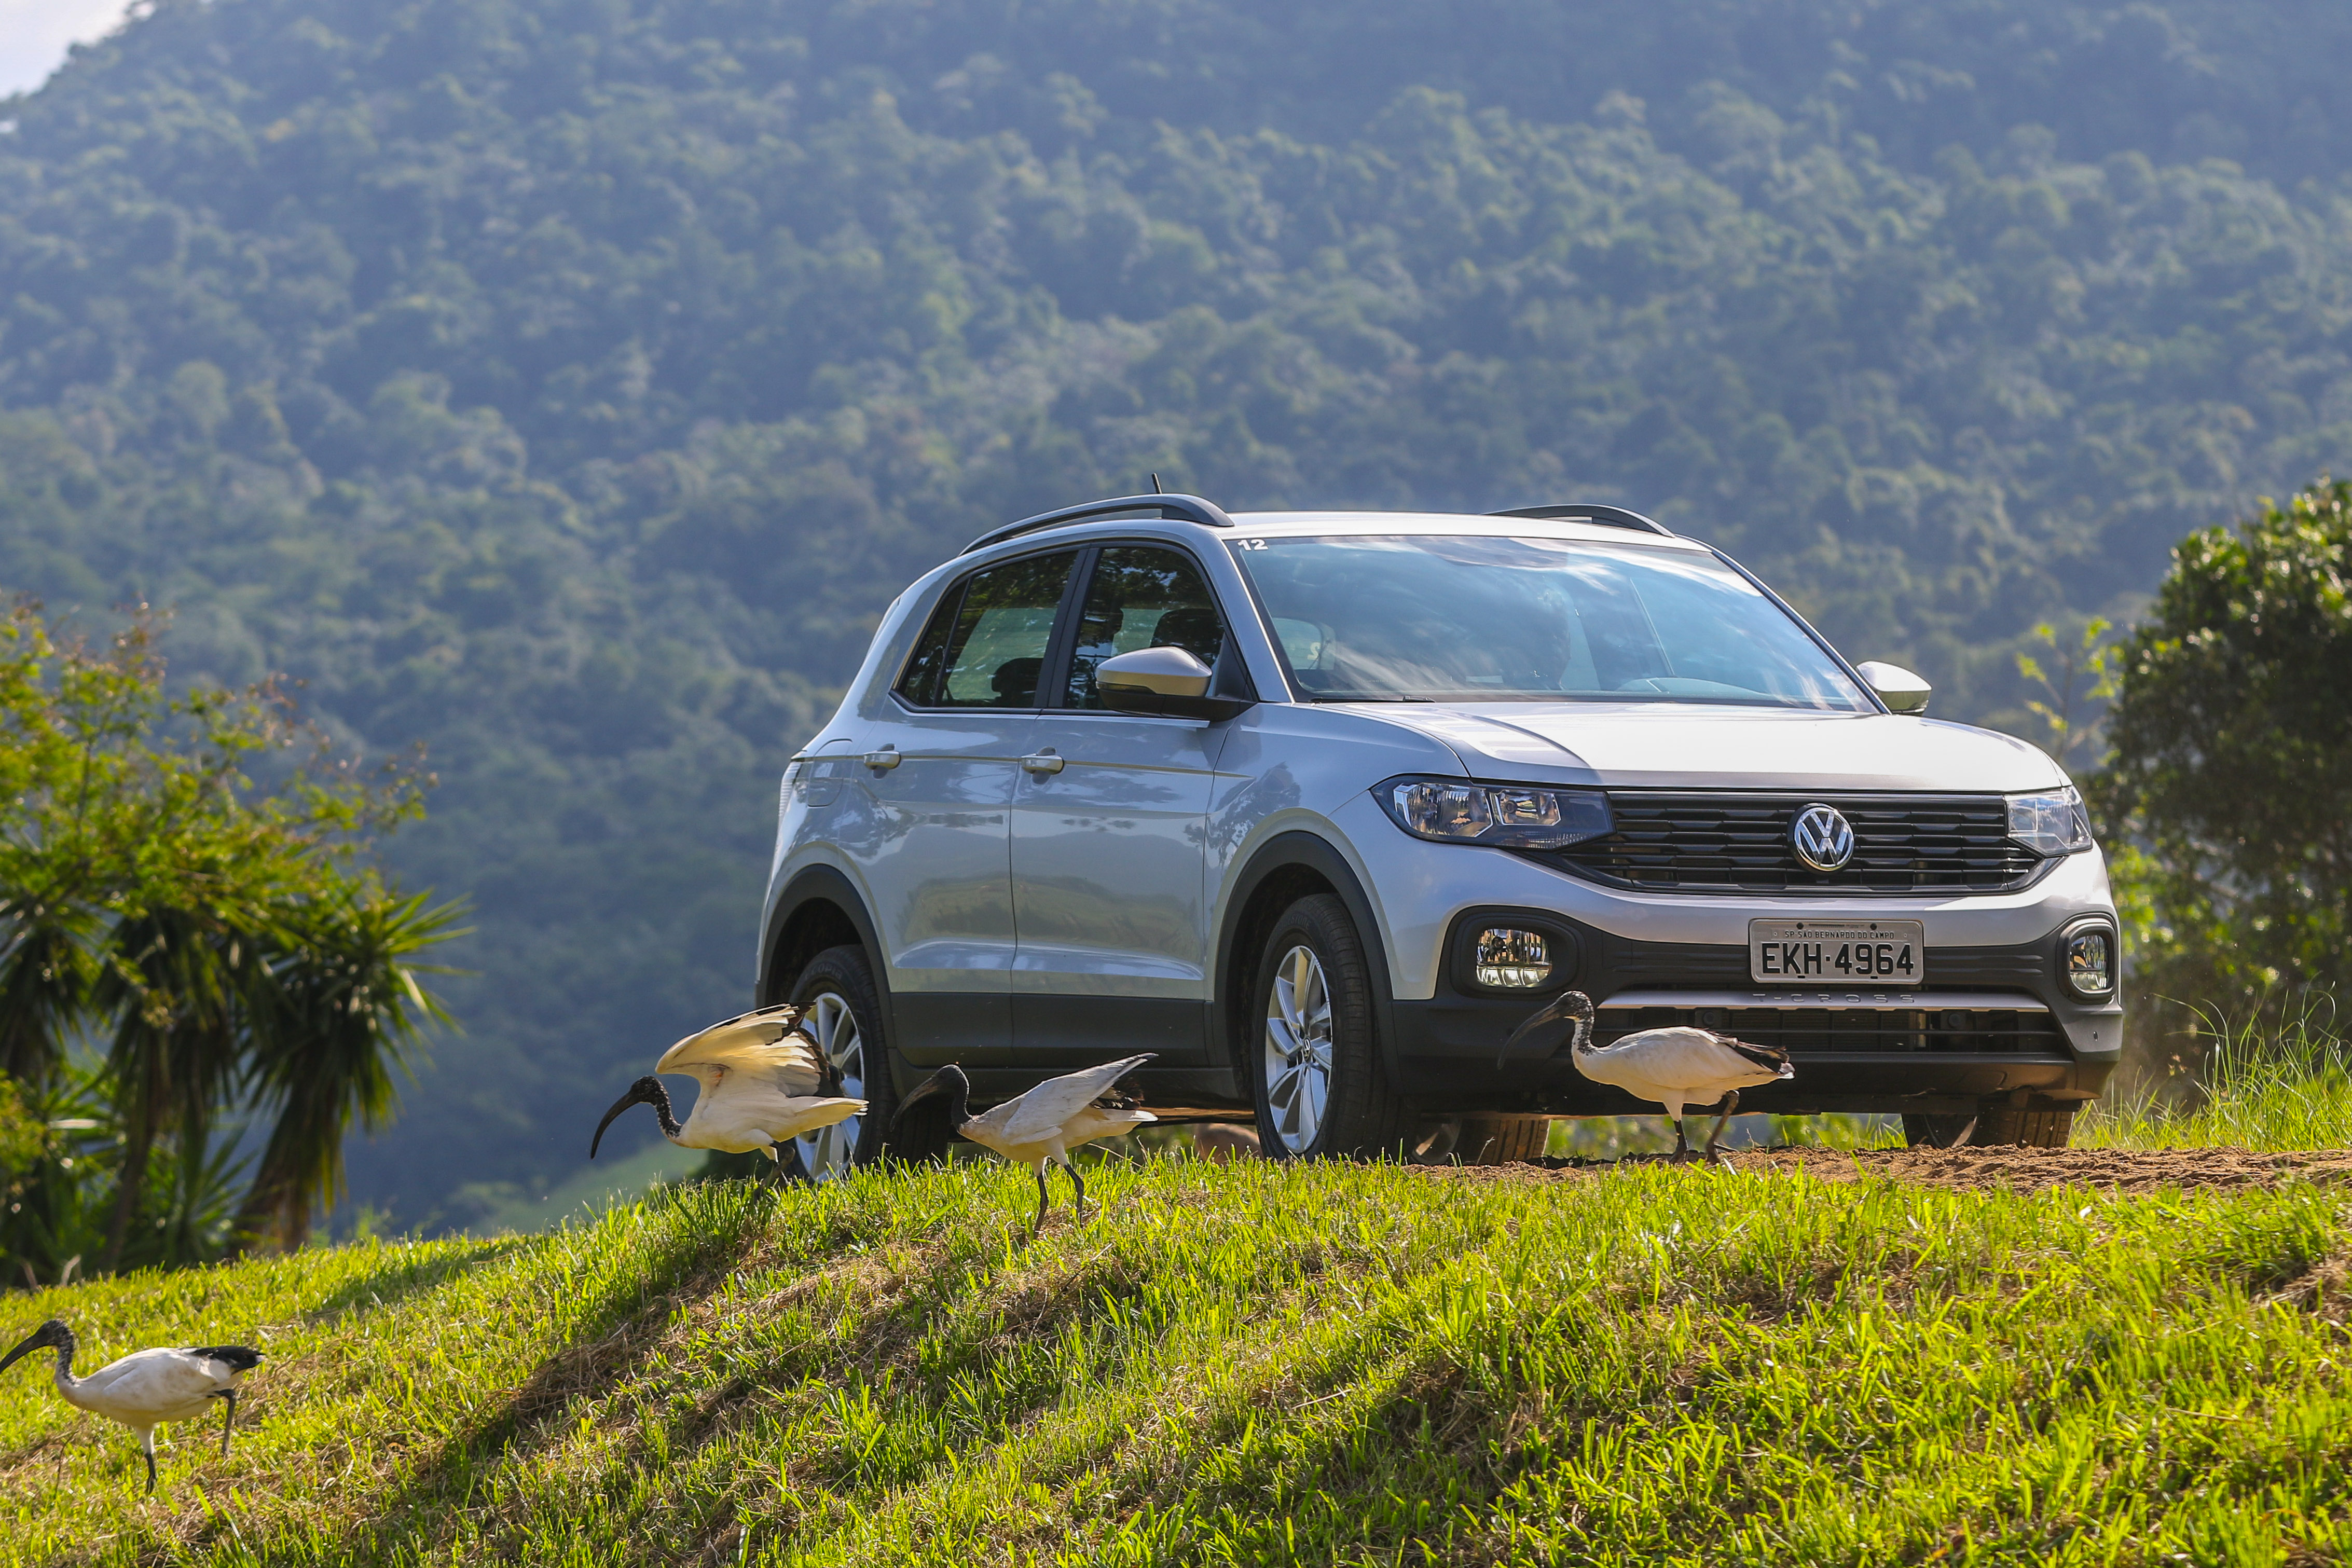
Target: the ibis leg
(1682, 1145)
(147, 1452)
(1044, 1200)
(228, 1422)
(1731, 1104)
(1080, 1182)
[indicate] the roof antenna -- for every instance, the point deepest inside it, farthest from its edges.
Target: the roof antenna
(1155, 486)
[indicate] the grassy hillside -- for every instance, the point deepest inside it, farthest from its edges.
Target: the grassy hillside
(1270, 1364)
(570, 384)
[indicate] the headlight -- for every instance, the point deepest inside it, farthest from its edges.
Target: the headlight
(2086, 960)
(2050, 824)
(1517, 817)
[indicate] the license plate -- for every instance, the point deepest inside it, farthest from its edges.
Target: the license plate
(1837, 952)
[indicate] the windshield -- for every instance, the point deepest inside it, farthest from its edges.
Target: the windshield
(1436, 618)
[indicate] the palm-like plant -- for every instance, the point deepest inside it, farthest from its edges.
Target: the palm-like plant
(341, 1014)
(206, 926)
(69, 721)
(45, 976)
(58, 1201)
(174, 983)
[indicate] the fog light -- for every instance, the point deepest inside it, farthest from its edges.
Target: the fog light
(1513, 960)
(2087, 959)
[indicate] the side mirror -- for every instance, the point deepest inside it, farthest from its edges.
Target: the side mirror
(1167, 682)
(1896, 687)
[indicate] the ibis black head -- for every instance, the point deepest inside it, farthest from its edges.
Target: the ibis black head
(1574, 1007)
(51, 1335)
(948, 1081)
(646, 1090)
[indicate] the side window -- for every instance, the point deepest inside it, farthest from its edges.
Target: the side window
(921, 683)
(1141, 597)
(986, 647)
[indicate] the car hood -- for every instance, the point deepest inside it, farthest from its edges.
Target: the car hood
(1702, 747)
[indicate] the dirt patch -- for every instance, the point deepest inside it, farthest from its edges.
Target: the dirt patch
(2013, 1170)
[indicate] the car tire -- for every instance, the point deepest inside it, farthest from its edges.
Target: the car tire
(1501, 1140)
(2012, 1127)
(842, 1007)
(1994, 1127)
(1314, 1050)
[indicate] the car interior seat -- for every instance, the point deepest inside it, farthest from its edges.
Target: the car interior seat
(1015, 682)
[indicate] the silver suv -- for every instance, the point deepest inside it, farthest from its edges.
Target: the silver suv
(1318, 806)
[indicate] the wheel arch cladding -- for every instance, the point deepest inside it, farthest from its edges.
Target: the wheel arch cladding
(818, 910)
(1284, 869)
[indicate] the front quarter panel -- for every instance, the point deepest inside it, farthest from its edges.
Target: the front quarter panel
(1295, 767)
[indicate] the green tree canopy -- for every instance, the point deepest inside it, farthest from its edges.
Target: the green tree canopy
(180, 885)
(2232, 763)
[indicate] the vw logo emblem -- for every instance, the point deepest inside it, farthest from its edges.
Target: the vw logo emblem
(1822, 837)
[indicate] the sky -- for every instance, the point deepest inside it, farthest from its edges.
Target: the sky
(33, 35)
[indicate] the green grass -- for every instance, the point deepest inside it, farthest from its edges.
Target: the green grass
(2278, 1087)
(2285, 1086)
(1252, 1364)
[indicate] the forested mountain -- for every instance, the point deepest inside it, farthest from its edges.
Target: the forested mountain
(569, 383)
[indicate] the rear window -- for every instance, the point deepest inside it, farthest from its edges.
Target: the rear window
(985, 645)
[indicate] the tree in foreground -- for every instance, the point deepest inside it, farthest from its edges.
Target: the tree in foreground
(2228, 794)
(182, 887)
(343, 1011)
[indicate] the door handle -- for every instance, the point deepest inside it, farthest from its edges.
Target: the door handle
(1042, 763)
(884, 760)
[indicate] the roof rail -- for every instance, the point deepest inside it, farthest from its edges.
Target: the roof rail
(1606, 516)
(1191, 509)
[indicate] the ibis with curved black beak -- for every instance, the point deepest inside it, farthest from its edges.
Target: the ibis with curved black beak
(146, 1388)
(1678, 1066)
(764, 1081)
(1041, 1127)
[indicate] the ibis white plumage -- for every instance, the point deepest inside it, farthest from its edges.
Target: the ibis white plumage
(764, 1080)
(146, 1388)
(1678, 1066)
(1044, 1125)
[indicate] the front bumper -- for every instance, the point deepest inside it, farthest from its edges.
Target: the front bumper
(1439, 1078)
(1989, 1022)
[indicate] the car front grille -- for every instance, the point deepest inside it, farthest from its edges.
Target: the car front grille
(1707, 841)
(1802, 1031)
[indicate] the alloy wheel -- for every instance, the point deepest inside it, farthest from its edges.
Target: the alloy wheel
(1298, 1048)
(831, 1153)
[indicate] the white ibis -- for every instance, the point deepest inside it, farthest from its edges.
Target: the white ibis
(764, 1081)
(147, 1387)
(1677, 1066)
(1044, 1125)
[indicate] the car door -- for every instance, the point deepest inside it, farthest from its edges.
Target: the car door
(938, 775)
(1109, 821)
